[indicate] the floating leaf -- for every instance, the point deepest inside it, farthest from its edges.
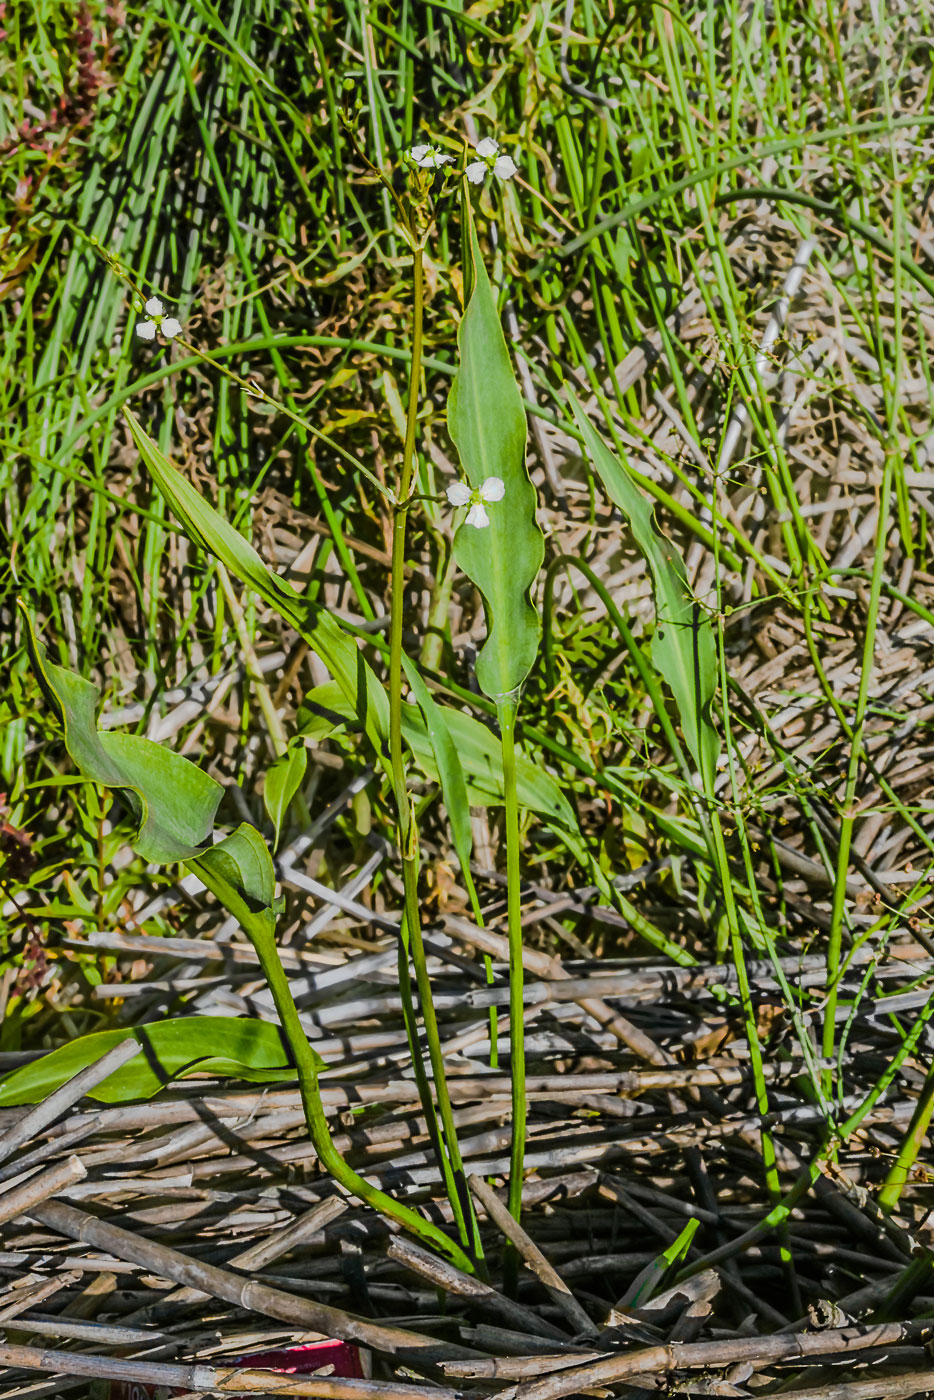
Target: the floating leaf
(683, 648)
(173, 1049)
(486, 420)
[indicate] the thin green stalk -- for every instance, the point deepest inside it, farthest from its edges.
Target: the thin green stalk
(912, 1143)
(263, 940)
(848, 814)
(506, 712)
(881, 1085)
(769, 1157)
(451, 1162)
(646, 674)
(777, 1216)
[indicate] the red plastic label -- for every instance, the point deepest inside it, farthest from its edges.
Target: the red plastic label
(340, 1359)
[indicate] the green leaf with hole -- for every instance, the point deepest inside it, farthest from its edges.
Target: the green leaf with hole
(207, 528)
(283, 779)
(683, 648)
(221, 1046)
(486, 420)
(173, 804)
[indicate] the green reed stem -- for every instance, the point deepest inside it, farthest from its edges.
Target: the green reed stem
(447, 1147)
(912, 1144)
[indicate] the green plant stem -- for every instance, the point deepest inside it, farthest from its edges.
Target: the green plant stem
(448, 1150)
(881, 1085)
(911, 1145)
(506, 711)
(769, 1156)
(400, 519)
(262, 937)
(418, 1064)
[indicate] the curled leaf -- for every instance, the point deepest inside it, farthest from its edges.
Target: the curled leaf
(172, 801)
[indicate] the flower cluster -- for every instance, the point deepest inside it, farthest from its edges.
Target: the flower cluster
(502, 166)
(460, 494)
(158, 321)
(489, 159)
(428, 157)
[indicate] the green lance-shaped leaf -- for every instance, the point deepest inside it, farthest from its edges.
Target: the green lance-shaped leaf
(207, 527)
(486, 420)
(283, 780)
(683, 647)
(173, 1049)
(172, 802)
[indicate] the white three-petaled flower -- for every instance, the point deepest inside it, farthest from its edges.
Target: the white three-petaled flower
(158, 321)
(503, 166)
(428, 157)
(460, 494)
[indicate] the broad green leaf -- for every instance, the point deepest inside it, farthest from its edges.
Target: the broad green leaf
(174, 1049)
(169, 795)
(683, 648)
(207, 528)
(172, 801)
(486, 421)
(480, 756)
(315, 727)
(283, 780)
